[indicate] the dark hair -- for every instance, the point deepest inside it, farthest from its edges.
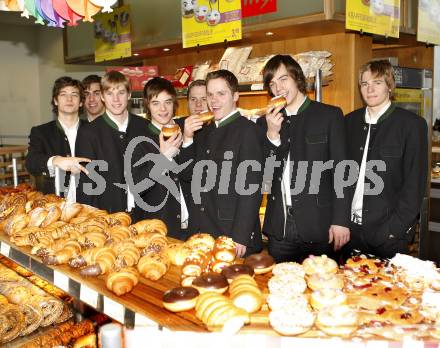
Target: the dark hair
(380, 68)
(59, 84)
(88, 80)
(292, 67)
(112, 78)
(195, 83)
(226, 75)
(154, 87)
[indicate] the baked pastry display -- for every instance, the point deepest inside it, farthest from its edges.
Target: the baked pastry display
(180, 299)
(123, 280)
(337, 320)
(233, 271)
(210, 282)
(245, 293)
(319, 264)
(261, 263)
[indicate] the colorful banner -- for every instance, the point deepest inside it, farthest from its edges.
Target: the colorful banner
(381, 17)
(257, 7)
(428, 23)
(113, 35)
(206, 22)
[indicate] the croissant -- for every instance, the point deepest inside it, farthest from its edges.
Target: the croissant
(119, 218)
(70, 249)
(27, 236)
(70, 210)
(93, 224)
(37, 216)
(150, 240)
(128, 254)
(149, 225)
(118, 233)
(3, 300)
(44, 245)
(79, 219)
(92, 239)
(16, 223)
(122, 281)
(53, 215)
(153, 266)
(101, 261)
(63, 231)
(11, 322)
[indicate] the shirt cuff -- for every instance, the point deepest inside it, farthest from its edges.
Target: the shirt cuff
(275, 142)
(50, 166)
(188, 143)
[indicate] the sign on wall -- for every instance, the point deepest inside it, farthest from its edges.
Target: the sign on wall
(257, 7)
(428, 23)
(206, 22)
(381, 17)
(113, 35)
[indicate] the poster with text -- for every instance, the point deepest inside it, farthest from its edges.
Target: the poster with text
(381, 17)
(428, 23)
(206, 22)
(251, 8)
(112, 34)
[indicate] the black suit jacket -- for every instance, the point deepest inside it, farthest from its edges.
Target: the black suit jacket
(45, 141)
(399, 139)
(156, 195)
(101, 140)
(316, 133)
(226, 212)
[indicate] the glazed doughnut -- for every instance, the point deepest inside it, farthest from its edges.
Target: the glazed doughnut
(337, 320)
(317, 281)
(291, 322)
(319, 264)
(277, 302)
(261, 263)
(212, 282)
(180, 299)
(325, 297)
(232, 271)
(287, 285)
(288, 268)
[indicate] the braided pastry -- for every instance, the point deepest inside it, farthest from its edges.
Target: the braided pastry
(122, 281)
(102, 260)
(51, 308)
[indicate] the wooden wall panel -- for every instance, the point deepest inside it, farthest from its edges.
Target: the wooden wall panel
(421, 57)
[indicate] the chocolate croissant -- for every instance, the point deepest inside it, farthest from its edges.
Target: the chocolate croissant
(128, 254)
(102, 261)
(153, 266)
(70, 249)
(117, 219)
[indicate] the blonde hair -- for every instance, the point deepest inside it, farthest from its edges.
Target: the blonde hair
(114, 78)
(380, 68)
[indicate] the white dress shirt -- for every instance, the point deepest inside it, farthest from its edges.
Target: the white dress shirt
(357, 203)
(71, 134)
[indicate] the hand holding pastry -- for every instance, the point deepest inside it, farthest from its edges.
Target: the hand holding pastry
(192, 124)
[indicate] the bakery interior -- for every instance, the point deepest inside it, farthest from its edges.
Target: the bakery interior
(56, 305)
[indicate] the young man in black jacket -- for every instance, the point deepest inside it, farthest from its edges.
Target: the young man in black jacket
(54, 144)
(302, 136)
(226, 192)
(396, 139)
(106, 139)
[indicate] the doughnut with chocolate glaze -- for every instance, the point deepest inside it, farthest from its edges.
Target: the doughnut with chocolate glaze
(212, 282)
(232, 271)
(180, 299)
(261, 263)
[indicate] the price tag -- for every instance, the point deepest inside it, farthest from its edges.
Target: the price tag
(88, 296)
(61, 281)
(257, 87)
(5, 249)
(114, 310)
(140, 320)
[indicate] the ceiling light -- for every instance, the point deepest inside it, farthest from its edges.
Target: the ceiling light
(166, 49)
(269, 33)
(135, 54)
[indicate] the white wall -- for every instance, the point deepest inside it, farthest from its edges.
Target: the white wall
(31, 59)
